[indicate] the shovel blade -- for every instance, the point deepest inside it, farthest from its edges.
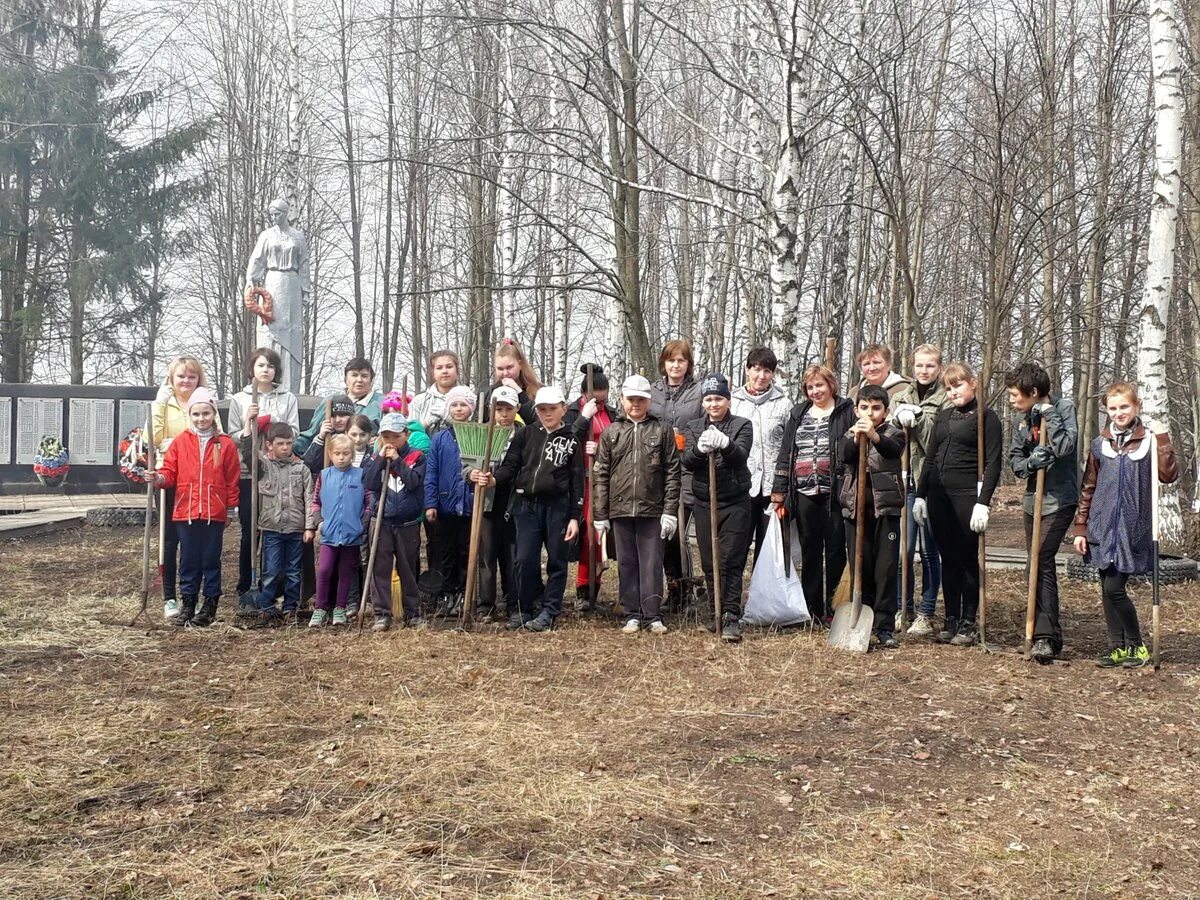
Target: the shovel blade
(851, 628)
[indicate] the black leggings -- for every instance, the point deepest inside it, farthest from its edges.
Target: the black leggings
(170, 544)
(950, 519)
(1119, 612)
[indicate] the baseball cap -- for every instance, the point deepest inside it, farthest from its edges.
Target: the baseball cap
(393, 422)
(636, 386)
(549, 396)
(505, 394)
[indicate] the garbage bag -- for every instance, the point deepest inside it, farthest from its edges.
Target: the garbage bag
(776, 597)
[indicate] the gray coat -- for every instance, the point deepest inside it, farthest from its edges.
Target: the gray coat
(676, 407)
(285, 491)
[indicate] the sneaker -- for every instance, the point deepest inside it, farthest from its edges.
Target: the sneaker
(949, 630)
(543, 622)
(921, 626)
(967, 635)
(633, 626)
(518, 621)
(339, 617)
(886, 640)
(170, 608)
(318, 618)
(1042, 651)
(657, 627)
(382, 623)
(1136, 657)
(351, 611)
(416, 623)
(731, 631)
(1111, 659)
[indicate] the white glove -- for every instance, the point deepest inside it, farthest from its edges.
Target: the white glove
(589, 409)
(847, 513)
(704, 443)
(718, 440)
(601, 526)
(669, 525)
(920, 512)
(1154, 427)
(907, 415)
(590, 448)
(979, 518)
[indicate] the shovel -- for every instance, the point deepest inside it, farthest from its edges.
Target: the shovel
(716, 547)
(146, 583)
(906, 572)
(1154, 578)
(249, 599)
(369, 576)
(851, 630)
(1034, 547)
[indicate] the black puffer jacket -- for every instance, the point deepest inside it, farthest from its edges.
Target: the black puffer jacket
(883, 471)
(637, 470)
(733, 474)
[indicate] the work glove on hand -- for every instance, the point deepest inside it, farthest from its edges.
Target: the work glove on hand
(669, 525)
(907, 415)
(920, 512)
(589, 409)
(979, 518)
(704, 443)
(1040, 458)
(847, 513)
(719, 440)
(601, 526)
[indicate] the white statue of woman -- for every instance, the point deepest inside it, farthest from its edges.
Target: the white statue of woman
(279, 263)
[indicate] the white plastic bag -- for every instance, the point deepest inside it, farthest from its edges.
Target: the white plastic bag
(776, 597)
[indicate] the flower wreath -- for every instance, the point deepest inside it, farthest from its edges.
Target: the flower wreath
(133, 462)
(51, 462)
(260, 302)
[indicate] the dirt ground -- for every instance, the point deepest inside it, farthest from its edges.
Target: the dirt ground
(150, 760)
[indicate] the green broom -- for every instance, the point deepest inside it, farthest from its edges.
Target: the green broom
(472, 440)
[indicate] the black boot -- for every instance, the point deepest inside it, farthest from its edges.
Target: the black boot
(187, 610)
(207, 614)
(731, 631)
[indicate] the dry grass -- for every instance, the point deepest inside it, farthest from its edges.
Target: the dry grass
(148, 761)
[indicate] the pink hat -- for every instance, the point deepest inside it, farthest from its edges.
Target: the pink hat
(203, 395)
(461, 394)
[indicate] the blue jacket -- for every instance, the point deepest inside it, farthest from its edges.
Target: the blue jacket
(445, 488)
(406, 486)
(340, 503)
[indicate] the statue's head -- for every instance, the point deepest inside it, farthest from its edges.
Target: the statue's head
(277, 212)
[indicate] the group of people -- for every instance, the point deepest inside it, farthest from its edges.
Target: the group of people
(583, 479)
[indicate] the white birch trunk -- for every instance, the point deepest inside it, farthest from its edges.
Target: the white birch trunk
(558, 271)
(506, 207)
(1160, 257)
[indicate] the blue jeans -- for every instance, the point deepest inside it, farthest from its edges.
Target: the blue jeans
(281, 566)
(931, 565)
(541, 524)
(200, 558)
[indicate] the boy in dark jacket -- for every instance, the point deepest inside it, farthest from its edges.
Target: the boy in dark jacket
(729, 438)
(544, 464)
(884, 505)
(400, 532)
(1029, 394)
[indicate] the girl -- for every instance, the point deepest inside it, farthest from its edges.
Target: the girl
(202, 466)
(731, 439)
(340, 502)
(169, 419)
(952, 501)
(590, 415)
(1112, 526)
(513, 370)
(449, 499)
(362, 433)
(429, 406)
(675, 401)
(275, 404)
(807, 480)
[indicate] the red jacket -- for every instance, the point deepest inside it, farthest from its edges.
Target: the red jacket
(205, 490)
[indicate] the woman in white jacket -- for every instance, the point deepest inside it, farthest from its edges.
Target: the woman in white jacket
(765, 404)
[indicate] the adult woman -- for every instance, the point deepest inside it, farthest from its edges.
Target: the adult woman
(806, 484)
(169, 419)
(275, 404)
(675, 400)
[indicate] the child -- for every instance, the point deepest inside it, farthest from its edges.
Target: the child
(340, 503)
(884, 505)
(430, 406)
(1029, 394)
(399, 545)
(952, 501)
(275, 404)
(202, 466)
(341, 411)
(635, 487)
(449, 500)
(285, 489)
(362, 433)
(511, 368)
(497, 534)
(731, 438)
(1112, 527)
(589, 416)
(544, 464)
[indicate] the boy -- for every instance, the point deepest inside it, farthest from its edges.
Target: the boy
(285, 488)
(341, 412)
(497, 534)
(884, 504)
(400, 532)
(916, 408)
(1029, 394)
(359, 378)
(544, 465)
(635, 484)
